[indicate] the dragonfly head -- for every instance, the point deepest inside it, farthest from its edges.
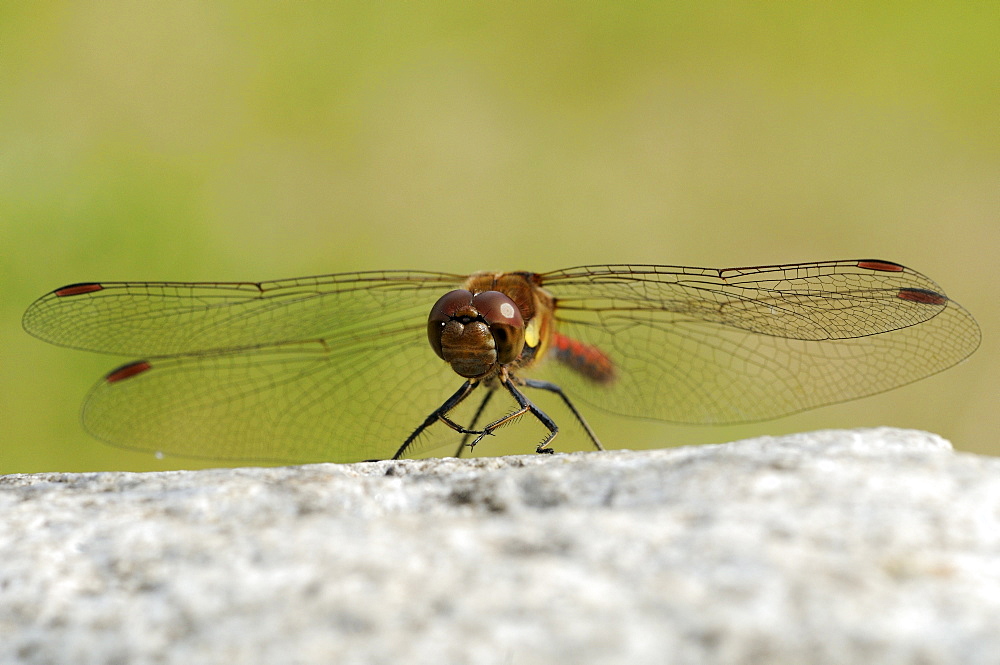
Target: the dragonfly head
(476, 333)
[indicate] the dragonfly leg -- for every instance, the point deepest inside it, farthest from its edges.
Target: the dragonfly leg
(441, 414)
(553, 388)
(525, 406)
(479, 412)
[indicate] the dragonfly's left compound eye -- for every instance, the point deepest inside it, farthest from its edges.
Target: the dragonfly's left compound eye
(505, 322)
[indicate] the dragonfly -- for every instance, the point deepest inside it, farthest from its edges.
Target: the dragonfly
(364, 365)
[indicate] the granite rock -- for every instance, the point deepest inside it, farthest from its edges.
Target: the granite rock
(868, 546)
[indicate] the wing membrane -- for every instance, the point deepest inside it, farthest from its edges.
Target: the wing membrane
(172, 318)
(332, 368)
(736, 345)
(299, 402)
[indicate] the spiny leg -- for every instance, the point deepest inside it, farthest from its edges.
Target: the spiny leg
(441, 413)
(475, 418)
(553, 388)
(525, 406)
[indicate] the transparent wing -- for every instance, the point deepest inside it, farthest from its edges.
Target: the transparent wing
(703, 345)
(172, 318)
(333, 368)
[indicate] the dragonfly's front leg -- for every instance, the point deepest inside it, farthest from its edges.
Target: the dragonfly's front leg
(472, 424)
(441, 414)
(525, 405)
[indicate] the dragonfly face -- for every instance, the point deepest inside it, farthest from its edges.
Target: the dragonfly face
(330, 368)
(476, 333)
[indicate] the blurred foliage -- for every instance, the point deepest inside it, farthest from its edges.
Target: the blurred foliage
(251, 140)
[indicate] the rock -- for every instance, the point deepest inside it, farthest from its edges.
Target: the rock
(870, 546)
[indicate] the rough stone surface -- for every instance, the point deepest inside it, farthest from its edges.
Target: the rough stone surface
(873, 546)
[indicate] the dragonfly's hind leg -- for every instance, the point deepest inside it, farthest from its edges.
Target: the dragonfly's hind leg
(553, 388)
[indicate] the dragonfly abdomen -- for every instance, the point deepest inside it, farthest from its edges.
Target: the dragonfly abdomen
(585, 359)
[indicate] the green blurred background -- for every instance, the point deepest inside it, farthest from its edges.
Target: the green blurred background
(246, 140)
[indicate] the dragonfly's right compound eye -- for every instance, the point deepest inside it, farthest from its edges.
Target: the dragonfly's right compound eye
(476, 332)
(443, 311)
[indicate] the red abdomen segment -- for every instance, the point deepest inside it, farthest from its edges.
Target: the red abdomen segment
(588, 360)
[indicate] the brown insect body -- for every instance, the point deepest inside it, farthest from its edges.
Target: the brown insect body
(534, 303)
(497, 322)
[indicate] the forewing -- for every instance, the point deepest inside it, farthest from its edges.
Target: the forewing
(736, 345)
(143, 319)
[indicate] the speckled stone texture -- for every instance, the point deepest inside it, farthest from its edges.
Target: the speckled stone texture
(869, 546)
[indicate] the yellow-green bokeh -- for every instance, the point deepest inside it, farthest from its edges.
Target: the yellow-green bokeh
(248, 140)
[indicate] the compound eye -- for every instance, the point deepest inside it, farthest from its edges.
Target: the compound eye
(505, 322)
(446, 308)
